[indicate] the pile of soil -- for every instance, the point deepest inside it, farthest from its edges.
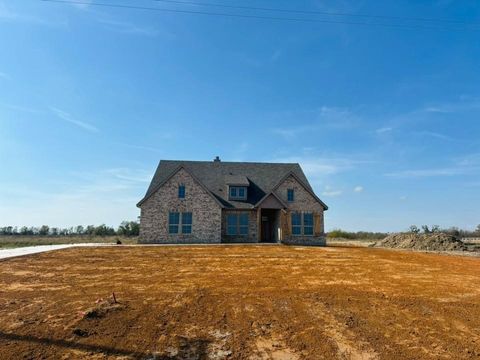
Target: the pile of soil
(431, 242)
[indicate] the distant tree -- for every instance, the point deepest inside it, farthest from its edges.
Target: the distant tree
(104, 230)
(454, 231)
(43, 231)
(414, 229)
(435, 229)
(129, 228)
(79, 230)
(54, 231)
(90, 230)
(425, 229)
(478, 230)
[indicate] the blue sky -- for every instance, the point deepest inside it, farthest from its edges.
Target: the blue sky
(384, 120)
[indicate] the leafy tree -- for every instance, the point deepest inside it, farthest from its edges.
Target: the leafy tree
(425, 229)
(435, 229)
(129, 228)
(79, 230)
(43, 231)
(414, 229)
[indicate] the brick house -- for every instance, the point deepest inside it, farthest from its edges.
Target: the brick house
(224, 202)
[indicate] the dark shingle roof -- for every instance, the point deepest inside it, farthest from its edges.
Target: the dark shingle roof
(214, 176)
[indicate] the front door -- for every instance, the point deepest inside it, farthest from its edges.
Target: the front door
(268, 223)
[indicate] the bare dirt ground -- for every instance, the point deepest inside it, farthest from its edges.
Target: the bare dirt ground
(239, 302)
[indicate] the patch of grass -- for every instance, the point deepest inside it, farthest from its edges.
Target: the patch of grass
(8, 242)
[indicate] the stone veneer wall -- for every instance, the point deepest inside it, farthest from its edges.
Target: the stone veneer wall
(303, 202)
(206, 213)
(252, 227)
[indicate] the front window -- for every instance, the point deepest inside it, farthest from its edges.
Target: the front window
(237, 193)
(186, 223)
(231, 224)
(173, 222)
(296, 223)
(237, 224)
(243, 224)
(308, 224)
(180, 223)
(302, 223)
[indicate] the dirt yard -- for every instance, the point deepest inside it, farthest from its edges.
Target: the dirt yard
(239, 302)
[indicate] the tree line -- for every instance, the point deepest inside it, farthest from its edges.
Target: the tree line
(424, 229)
(126, 228)
(454, 231)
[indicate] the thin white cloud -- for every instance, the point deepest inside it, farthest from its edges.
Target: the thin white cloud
(4, 76)
(383, 130)
(7, 15)
(141, 147)
(452, 171)
(105, 196)
(325, 117)
(434, 135)
(320, 166)
(358, 189)
(333, 193)
(466, 165)
(85, 4)
(21, 108)
(128, 28)
(69, 118)
(465, 103)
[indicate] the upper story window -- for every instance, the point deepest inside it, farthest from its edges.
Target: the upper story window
(181, 191)
(302, 223)
(237, 193)
(290, 195)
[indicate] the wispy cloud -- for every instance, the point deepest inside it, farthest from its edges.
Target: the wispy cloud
(326, 117)
(21, 108)
(465, 103)
(8, 15)
(383, 130)
(89, 197)
(451, 171)
(435, 135)
(85, 4)
(358, 189)
(321, 166)
(329, 192)
(69, 118)
(141, 147)
(127, 28)
(332, 193)
(464, 165)
(4, 76)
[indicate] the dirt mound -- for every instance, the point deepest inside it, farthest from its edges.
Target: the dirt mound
(432, 242)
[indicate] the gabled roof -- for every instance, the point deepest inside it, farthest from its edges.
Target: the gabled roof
(215, 176)
(239, 180)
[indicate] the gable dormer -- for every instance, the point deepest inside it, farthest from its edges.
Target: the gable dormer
(237, 187)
